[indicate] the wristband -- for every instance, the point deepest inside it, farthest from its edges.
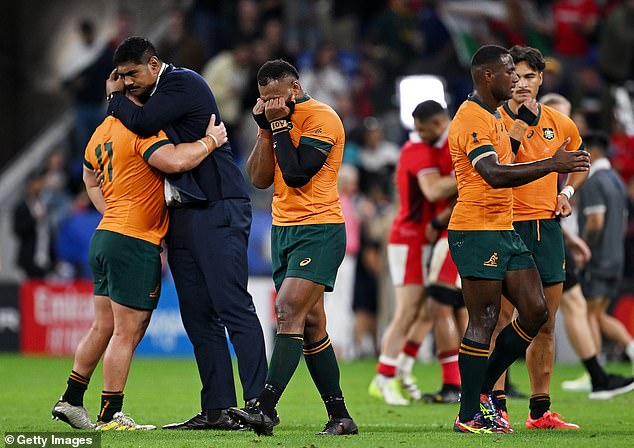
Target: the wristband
(204, 144)
(436, 224)
(515, 145)
(525, 114)
(568, 191)
(261, 121)
(281, 125)
(214, 139)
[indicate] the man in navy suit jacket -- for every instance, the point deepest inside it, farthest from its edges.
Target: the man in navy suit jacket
(210, 219)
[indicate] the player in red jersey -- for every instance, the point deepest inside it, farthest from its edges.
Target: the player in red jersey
(442, 285)
(408, 251)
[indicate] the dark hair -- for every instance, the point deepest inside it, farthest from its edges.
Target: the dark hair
(86, 26)
(135, 49)
(532, 56)
(488, 55)
(427, 109)
(597, 139)
(275, 70)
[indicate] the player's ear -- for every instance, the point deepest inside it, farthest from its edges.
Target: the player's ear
(154, 64)
(488, 73)
(295, 87)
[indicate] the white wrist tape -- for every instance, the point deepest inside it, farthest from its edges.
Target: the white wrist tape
(568, 191)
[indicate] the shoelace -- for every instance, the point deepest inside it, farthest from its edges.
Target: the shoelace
(555, 416)
(125, 420)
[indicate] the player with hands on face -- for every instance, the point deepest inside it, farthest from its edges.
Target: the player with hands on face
(299, 150)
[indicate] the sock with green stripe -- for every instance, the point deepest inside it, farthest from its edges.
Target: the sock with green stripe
(322, 364)
(77, 385)
(111, 403)
(284, 360)
(472, 361)
(510, 344)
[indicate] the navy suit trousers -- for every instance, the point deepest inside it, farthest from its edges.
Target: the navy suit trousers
(207, 253)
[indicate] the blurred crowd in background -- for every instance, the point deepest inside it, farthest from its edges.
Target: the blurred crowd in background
(350, 55)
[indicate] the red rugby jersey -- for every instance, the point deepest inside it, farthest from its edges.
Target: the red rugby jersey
(414, 210)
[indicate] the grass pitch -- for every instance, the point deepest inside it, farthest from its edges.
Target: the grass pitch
(162, 391)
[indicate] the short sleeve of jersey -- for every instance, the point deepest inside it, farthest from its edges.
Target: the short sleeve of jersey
(571, 131)
(593, 197)
(475, 137)
(90, 156)
(146, 146)
(320, 131)
(421, 161)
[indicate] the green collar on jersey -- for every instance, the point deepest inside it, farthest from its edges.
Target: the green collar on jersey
(494, 112)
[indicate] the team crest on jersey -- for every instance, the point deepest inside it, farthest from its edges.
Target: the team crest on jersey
(549, 133)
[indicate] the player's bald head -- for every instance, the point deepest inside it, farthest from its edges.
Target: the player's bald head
(557, 102)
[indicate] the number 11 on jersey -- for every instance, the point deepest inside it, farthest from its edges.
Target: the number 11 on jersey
(108, 147)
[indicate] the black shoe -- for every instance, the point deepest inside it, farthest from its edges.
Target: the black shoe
(253, 417)
(513, 392)
(223, 422)
(615, 385)
(339, 427)
(448, 393)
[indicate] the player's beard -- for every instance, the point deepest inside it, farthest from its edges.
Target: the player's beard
(291, 106)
